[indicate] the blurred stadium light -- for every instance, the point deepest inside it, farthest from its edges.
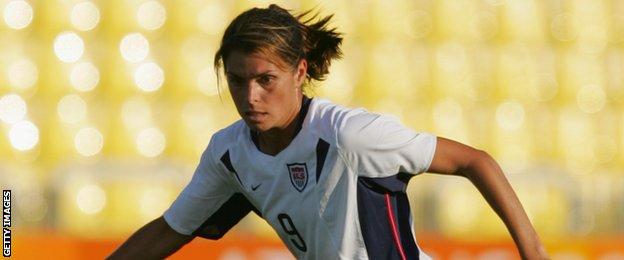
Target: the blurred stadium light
(106, 106)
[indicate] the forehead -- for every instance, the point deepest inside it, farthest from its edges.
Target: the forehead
(248, 64)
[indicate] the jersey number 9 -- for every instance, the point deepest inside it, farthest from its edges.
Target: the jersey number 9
(291, 230)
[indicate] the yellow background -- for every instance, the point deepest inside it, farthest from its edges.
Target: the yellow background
(106, 106)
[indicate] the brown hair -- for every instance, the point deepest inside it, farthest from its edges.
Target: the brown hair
(275, 30)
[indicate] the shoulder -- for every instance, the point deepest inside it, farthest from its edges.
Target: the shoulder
(327, 112)
(224, 139)
(341, 125)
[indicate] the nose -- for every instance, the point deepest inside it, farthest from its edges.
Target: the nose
(253, 92)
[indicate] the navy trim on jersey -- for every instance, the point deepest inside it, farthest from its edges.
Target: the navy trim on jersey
(230, 213)
(375, 222)
(402, 206)
(225, 159)
(322, 148)
(303, 112)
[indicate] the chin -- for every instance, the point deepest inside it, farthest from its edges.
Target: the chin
(257, 126)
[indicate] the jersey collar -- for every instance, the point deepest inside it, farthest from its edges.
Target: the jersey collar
(303, 112)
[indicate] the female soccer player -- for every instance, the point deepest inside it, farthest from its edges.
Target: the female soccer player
(330, 180)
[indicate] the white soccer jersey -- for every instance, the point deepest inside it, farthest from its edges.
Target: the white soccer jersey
(336, 192)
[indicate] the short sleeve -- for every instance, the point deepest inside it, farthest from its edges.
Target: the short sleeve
(207, 191)
(380, 146)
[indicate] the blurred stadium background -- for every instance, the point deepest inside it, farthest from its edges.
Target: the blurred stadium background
(107, 105)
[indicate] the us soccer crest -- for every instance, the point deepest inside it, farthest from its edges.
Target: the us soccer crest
(298, 173)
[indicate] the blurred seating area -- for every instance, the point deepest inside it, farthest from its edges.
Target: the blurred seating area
(106, 106)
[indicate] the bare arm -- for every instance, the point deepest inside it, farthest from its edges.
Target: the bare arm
(480, 168)
(156, 240)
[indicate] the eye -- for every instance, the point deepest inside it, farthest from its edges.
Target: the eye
(235, 81)
(265, 80)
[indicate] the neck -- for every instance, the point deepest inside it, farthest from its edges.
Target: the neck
(277, 139)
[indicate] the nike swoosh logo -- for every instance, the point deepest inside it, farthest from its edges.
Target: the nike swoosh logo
(256, 187)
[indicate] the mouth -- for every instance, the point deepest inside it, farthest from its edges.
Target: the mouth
(255, 116)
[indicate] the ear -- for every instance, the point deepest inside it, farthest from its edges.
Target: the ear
(301, 72)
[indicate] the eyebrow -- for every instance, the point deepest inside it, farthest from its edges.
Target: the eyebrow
(253, 76)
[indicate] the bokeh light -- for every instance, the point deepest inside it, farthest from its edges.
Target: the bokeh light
(22, 74)
(593, 38)
(153, 202)
(24, 135)
(151, 15)
(134, 47)
(88, 141)
(151, 142)
(591, 98)
(578, 152)
(485, 26)
(72, 108)
(85, 16)
(109, 94)
(618, 28)
(12, 108)
(136, 113)
(18, 14)
(68, 47)
(563, 27)
(510, 115)
(496, 2)
(207, 82)
(451, 56)
(545, 88)
(339, 84)
(84, 76)
(149, 77)
(91, 199)
(447, 113)
(417, 24)
(211, 19)
(604, 148)
(197, 118)
(457, 201)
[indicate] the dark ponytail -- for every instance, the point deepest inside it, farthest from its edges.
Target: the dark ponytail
(322, 44)
(275, 31)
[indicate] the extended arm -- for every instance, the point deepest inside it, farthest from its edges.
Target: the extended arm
(156, 240)
(480, 168)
